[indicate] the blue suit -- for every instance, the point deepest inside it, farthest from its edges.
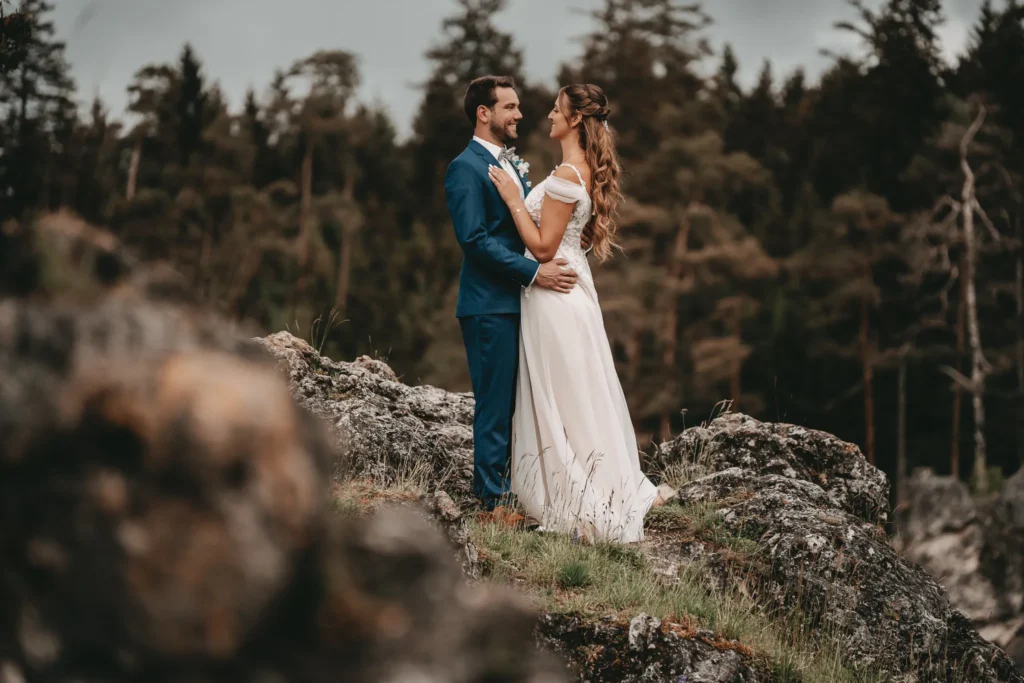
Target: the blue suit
(493, 272)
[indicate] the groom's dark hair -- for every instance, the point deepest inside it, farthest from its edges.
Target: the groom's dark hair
(481, 92)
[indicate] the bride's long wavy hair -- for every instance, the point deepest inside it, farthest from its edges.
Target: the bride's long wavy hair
(598, 145)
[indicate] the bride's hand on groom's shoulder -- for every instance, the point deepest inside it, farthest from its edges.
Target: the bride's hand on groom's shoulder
(556, 276)
(507, 187)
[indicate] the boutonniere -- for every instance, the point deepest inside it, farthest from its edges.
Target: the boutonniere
(522, 167)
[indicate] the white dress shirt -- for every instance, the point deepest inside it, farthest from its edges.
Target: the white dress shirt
(507, 165)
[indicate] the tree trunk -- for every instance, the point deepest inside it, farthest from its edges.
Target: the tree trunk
(633, 343)
(307, 204)
(205, 254)
(672, 318)
(978, 364)
(348, 233)
(961, 324)
(305, 218)
(344, 267)
(133, 169)
(901, 434)
(1020, 343)
(737, 366)
(868, 370)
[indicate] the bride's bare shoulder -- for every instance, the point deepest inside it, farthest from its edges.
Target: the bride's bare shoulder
(567, 173)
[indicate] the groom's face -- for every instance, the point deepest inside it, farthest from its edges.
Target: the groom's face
(505, 116)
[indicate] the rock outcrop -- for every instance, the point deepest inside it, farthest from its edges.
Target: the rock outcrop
(811, 503)
(816, 509)
(386, 430)
(644, 649)
(975, 549)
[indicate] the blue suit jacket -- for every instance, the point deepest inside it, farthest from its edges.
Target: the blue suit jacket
(493, 266)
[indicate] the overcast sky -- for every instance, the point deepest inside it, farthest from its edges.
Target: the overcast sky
(241, 42)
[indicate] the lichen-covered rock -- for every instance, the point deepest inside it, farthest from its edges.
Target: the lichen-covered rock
(644, 650)
(975, 549)
(389, 430)
(813, 505)
(815, 508)
(834, 467)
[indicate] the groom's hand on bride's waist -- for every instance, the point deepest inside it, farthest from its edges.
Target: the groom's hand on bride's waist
(556, 275)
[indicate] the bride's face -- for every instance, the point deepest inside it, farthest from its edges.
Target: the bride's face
(560, 125)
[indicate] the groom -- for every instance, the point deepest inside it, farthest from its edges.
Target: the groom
(494, 271)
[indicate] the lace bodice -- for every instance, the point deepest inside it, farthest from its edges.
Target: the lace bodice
(566, 191)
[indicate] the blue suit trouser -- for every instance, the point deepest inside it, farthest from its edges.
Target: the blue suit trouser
(492, 349)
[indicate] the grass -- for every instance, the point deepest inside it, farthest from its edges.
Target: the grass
(319, 331)
(358, 497)
(608, 579)
(703, 522)
(691, 465)
(575, 574)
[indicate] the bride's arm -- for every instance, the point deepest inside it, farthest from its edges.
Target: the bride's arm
(542, 241)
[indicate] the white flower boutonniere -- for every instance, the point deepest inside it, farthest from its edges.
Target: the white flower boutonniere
(524, 170)
(522, 167)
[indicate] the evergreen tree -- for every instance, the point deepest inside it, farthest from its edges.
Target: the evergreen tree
(472, 46)
(643, 54)
(191, 106)
(841, 276)
(889, 101)
(35, 99)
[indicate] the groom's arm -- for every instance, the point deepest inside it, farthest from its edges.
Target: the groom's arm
(464, 191)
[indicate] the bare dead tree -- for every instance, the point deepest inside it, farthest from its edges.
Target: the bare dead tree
(966, 208)
(671, 325)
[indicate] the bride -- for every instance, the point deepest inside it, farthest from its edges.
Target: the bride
(575, 466)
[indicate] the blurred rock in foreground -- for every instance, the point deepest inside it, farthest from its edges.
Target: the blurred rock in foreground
(164, 504)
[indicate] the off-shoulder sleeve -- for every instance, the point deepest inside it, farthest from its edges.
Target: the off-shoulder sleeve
(564, 190)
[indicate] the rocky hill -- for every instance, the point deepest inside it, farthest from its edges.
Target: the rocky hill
(172, 510)
(805, 507)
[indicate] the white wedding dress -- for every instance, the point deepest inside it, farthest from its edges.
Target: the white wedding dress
(575, 465)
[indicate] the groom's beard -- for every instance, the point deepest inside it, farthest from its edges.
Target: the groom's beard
(501, 133)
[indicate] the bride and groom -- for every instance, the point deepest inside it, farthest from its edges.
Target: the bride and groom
(551, 427)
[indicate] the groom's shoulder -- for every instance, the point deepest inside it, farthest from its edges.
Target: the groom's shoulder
(463, 163)
(466, 157)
